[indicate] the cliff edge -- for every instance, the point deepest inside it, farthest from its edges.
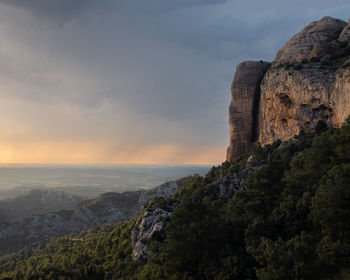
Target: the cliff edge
(307, 85)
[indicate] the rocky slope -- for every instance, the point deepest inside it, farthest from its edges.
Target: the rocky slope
(151, 223)
(164, 190)
(307, 85)
(107, 208)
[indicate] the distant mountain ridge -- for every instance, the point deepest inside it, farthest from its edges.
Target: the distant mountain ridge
(36, 202)
(105, 209)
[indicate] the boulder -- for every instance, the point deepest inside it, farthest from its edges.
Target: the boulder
(345, 35)
(314, 41)
(148, 225)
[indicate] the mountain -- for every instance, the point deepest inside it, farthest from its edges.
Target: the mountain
(37, 202)
(306, 86)
(107, 208)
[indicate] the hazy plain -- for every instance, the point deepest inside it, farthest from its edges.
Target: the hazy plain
(88, 180)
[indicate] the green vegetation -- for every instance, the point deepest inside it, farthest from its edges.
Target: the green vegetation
(291, 222)
(87, 256)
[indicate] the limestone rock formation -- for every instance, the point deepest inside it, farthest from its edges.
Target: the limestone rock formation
(307, 85)
(245, 92)
(295, 100)
(345, 35)
(149, 224)
(315, 40)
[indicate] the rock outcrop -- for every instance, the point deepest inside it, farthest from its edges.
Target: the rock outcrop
(315, 40)
(294, 100)
(151, 223)
(243, 118)
(345, 35)
(308, 84)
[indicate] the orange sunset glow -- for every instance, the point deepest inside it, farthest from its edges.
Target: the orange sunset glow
(92, 153)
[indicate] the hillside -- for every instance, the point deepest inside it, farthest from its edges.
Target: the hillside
(280, 212)
(36, 202)
(107, 208)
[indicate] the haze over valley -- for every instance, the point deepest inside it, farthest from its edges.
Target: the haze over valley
(89, 180)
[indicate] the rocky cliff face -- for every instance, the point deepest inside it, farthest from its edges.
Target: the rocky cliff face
(148, 225)
(244, 106)
(308, 84)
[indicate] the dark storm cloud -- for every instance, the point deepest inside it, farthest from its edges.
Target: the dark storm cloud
(153, 71)
(67, 9)
(62, 9)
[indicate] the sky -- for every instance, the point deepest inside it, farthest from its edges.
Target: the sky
(132, 81)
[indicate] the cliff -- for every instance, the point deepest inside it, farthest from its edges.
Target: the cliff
(244, 106)
(307, 85)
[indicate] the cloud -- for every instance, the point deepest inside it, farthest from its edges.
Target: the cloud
(57, 9)
(134, 73)
(89, 152)
(67, 9)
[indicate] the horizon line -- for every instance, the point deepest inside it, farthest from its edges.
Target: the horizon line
(110, 164)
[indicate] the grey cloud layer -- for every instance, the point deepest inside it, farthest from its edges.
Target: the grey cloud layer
(58, 9)
(161, 66)
(66, 9)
